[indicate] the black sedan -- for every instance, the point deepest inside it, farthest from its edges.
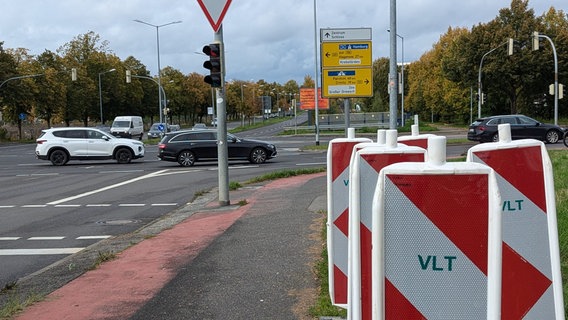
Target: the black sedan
(187, 147)
(522, 127)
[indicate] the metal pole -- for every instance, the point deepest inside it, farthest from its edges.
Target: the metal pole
(101, 99)
(555, 77)
(393, 83)
(316, 95)
(159, 67)
(402, 84)
(101, 95)
(159, 74)
(479, 86)
(222, 148)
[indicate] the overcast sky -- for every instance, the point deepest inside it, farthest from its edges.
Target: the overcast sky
(264, 39)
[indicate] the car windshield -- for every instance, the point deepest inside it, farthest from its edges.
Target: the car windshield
(121, 124)
(155, 127)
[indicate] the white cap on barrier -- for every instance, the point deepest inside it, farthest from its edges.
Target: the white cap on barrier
(350, 133)
(381, 136)
(504, 131)
(415, 119)
(391, 136)
(414, 130)
(437, 150)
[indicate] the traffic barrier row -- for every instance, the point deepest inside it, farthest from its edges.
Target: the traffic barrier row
(426, 239)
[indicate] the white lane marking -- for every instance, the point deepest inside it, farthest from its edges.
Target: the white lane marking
(30, 252)
(98, 205)
(92, 237)
(163, 204)
(67, 205)
(37, 175)
(150, 175)
(131, 205)
(46, 238)
(7, 207)
(34, 206)
(121, 171)
(9, 238)
(310, 164)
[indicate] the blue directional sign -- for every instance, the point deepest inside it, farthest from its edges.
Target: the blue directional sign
(161, 127)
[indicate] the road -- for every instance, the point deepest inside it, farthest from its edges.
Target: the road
(50, 212)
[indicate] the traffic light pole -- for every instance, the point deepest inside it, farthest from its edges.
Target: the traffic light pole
(222, 148)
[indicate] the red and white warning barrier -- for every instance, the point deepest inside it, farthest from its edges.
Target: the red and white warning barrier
(415, 138)
(532, 283)
(338, 158)
(436, 240)
(366, 162)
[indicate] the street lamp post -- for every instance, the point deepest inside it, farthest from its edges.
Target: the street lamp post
(242, 105)
(479, 85)
(159, 67)
(101, 93)
(402, 81)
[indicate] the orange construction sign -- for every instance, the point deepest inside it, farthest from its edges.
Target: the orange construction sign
(307, 99)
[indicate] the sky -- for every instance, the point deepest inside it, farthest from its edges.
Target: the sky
(272, 40)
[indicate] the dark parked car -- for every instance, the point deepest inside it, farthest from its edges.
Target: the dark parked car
(187, 147)
(522, 127)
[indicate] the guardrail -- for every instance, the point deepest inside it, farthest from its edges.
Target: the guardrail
(339, 126)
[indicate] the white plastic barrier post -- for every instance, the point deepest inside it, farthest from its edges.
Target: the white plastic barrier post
(532, 283)
(366, 163)
(415, 138)
(338, 158)
(436, 240)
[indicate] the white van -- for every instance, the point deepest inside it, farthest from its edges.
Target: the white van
(127, 127)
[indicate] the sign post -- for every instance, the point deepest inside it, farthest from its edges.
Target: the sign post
(215, 11)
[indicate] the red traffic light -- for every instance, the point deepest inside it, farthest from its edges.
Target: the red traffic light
(213, 50)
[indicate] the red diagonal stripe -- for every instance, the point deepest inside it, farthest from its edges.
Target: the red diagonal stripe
(342, 222)
(521, 167)
(397, 306)
(341, 155)
(523, 285)
(340, 285)
(379, 161)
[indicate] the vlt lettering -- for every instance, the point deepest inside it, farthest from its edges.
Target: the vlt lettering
(432, 261)
(515, 205)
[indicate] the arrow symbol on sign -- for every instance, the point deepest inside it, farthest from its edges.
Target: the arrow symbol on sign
(327, 54)
(366, 81)
(327, 35)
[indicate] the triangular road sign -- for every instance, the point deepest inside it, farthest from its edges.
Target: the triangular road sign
(214, 11)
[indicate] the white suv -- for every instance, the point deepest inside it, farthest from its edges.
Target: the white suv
(59, 145)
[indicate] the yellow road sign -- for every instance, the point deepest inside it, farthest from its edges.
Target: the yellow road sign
(346, 54)
(343, 83)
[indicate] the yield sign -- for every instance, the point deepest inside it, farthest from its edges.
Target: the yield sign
(214, 11)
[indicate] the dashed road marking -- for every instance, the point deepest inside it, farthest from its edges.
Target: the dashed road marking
(29, 252)
(46, 238)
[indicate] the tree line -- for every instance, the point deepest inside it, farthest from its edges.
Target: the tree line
(442, 85)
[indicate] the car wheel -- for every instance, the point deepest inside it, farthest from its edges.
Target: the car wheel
(59, 157)
(258, 155)
(552, 136)
(186, 158)
(495, 137)
(123, 156)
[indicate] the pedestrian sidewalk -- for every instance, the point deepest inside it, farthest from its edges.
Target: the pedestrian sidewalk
(248, 261)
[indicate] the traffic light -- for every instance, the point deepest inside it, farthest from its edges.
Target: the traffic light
(215, 65)
(482, 98)
(128, 76)
(535, 44)
(510, 46)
